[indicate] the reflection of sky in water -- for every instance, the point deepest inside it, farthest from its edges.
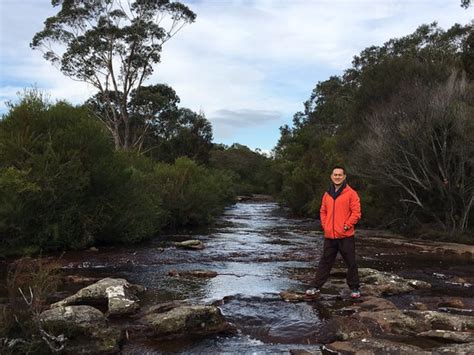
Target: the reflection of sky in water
(248, 279)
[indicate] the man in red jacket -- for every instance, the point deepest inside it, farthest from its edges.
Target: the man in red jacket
(340, 211)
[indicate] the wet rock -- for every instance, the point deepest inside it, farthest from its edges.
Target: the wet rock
(378, 283)
(455, 349)
(346, 328)
(193, 273)
(440, 249)
(394, 321)
(374, 346)
(414, 322)
(119, 295)
(463, 312)
(83, 329)
(375, 304)
(459, 280)
(304, 352)
(185, 321)
(190, 244)
(451, 303)
(78, 279)
(288, 296)
(458, 337)
(419, 306)
(443, 321)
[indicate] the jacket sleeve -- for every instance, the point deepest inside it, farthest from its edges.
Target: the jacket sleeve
(355, 210)
(323, 212)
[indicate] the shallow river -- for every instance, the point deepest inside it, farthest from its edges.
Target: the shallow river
(256, 251)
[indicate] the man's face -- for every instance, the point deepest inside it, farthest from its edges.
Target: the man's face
(338, 177)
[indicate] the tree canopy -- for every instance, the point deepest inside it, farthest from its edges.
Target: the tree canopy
(112, 45)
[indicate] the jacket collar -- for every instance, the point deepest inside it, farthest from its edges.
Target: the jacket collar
(332, 190)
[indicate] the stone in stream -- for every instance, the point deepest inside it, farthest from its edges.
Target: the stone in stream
(374, 346)
(451, 303)
(458, 337)
(455, 349)
(81, 329)
(190, 244)
(193, 273)
(119, 295)
(414, 322)
(378, 283)
(289, 296)
(77, 279)
(344, 328)
(184, 321)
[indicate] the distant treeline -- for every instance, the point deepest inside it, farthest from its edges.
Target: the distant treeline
(401, 119)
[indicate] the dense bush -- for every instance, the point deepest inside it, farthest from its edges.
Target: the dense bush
(62, 184)
(192, 193)
(251, 169)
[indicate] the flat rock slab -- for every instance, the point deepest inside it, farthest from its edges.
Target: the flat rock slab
(289, 296)
(119, 295)
(183, 321)
(414, 322)
(458, 337)
(456, 349)
(378, 283)
(463, 251)
(190, 244)
(193, 273)
(374, 346)
(85, 329)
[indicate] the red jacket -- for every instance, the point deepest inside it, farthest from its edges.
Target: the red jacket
(335, 213)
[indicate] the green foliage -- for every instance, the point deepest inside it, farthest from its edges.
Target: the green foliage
(179, 132)
(62, 184)
(251, 170)
(334, 123)
(192, 194)
(52, 162)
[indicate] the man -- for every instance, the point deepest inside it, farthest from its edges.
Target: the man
(340, 211)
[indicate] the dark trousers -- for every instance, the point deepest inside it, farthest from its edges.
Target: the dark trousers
(345, 246)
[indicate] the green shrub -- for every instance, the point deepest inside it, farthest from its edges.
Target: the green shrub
(192, 194)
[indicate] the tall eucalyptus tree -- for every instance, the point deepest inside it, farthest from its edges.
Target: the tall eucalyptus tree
(112, 45)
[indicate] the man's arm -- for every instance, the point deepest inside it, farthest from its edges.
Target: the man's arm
(323, 212)
(355, 211)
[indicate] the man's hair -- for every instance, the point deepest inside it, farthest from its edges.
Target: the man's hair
(338, 167)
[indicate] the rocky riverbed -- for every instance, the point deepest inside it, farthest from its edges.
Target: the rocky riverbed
(239, 288)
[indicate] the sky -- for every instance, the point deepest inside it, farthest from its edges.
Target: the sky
(249, 65)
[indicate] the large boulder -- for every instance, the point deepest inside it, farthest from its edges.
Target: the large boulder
(80, 330)
(185, 320)
(118, 295)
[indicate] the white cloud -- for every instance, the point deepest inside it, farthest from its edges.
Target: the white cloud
(239, 56)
